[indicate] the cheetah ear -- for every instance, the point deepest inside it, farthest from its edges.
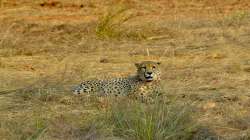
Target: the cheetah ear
(137, 65)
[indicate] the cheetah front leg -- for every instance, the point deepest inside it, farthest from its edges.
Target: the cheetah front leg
(149, 95)
(142, 96)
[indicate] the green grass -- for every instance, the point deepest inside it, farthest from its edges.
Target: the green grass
(110, 24)
(237, 19)
(121, 118)
(159, 121)
(40, 130)
(22, 128)
(201, 55)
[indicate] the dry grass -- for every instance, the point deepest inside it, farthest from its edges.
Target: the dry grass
(152, 122)
(47, 47)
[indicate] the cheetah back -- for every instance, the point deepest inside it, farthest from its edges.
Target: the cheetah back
(119, 86)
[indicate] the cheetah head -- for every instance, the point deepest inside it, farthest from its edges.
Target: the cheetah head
(148, 71)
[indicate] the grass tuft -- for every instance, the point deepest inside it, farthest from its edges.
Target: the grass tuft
(158, 121)
(38, 133)
(109, 25)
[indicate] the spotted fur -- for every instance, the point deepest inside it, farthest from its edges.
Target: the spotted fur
(143, 84)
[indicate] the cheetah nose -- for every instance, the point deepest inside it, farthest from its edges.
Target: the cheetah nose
(149, 73)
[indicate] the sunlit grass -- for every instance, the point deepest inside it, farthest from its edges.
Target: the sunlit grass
(158, 121)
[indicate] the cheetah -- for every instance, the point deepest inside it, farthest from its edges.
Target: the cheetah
(142, 86)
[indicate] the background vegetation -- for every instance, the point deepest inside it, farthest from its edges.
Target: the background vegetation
(48, 46)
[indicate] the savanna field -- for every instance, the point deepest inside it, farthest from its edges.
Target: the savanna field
(49, 46)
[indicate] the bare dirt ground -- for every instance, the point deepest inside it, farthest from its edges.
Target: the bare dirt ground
(48, 46)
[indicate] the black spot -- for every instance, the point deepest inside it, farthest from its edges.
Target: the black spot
(104, 60)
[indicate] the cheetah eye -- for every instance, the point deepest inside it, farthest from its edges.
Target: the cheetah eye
(154, 67)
